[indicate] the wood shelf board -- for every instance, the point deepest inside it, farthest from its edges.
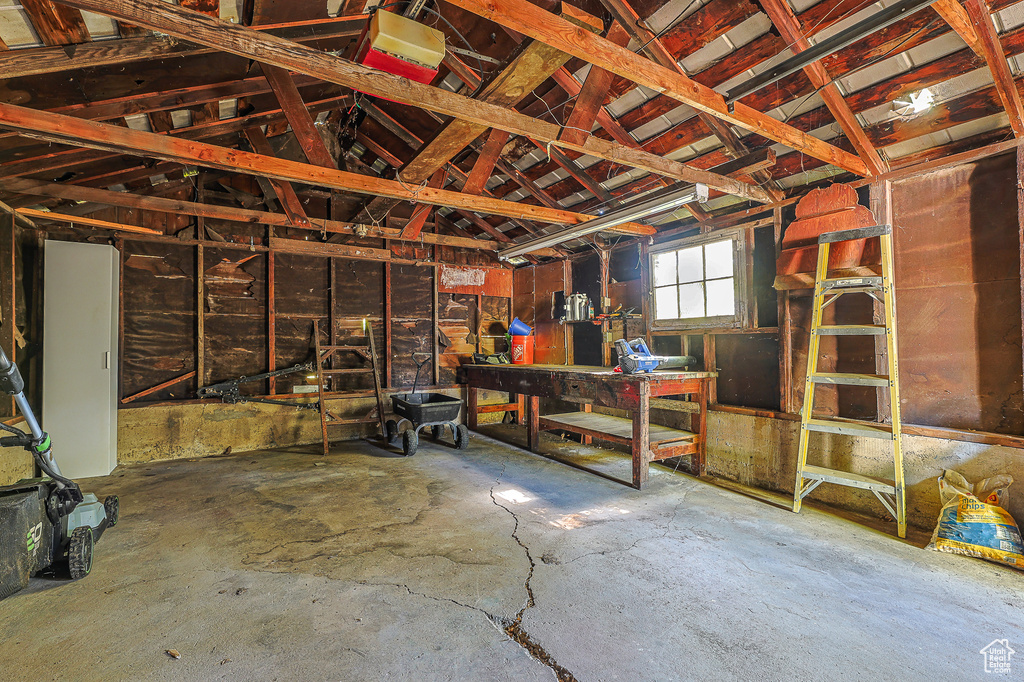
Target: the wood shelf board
(618, 429)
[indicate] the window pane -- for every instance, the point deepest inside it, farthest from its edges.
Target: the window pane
(691, 264)
(665, 269)
(691, 301)
(721, 297)
(719, 258)
(666, 303)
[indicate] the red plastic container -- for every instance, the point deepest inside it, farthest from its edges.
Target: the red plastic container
(522, 350)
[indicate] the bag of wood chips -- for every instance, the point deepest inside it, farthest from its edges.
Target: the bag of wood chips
(973, 522)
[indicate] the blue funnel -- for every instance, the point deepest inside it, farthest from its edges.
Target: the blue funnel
(519, 328)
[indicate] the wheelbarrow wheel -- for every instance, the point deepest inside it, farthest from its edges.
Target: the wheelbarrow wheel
(410, 442)
(437, 431)
(391, 430)
(461, 437)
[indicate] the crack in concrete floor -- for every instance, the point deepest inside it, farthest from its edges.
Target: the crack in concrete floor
(514, 627)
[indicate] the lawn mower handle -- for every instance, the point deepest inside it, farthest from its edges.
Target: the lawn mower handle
(36, 441)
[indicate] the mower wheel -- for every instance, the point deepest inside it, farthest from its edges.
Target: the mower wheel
(461, 437)
(80, 552)
(436, 432)
(409, 442)
(391, 430)
(112, 507)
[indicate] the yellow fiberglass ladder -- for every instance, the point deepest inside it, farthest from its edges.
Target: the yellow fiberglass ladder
(892, 494)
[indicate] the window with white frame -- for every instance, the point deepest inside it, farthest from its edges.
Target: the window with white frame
(697, 283)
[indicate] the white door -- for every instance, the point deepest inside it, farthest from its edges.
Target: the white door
(80, 314)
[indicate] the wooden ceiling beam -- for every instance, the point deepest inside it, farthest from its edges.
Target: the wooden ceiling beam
(896, 39)
(701, 27)
(290, 201)
(529, 185)
(90, 134)
(414, 143)
(590, 97)
(41, 60)
(572, 88)
(69, 158)
(654, 48)
(533, 21)
(580, 175)
(420, 212)
(228, 213)
(179, 98)
(80, 221)
(781, 15)
(56, 24)
(269, 49)
(483, 168)
(992, 51)
(904, 34)
(957, 18)
(460, 179)
(303, 126)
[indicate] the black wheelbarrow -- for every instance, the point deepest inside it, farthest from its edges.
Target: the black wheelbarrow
(420, 410)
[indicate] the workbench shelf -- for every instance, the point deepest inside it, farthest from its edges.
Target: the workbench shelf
(664, 441)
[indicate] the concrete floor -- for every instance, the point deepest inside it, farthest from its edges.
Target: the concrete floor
(284, 565)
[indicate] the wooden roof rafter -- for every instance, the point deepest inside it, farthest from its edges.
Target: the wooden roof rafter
(992, 51)
(227, 213)
(530, 20)
(529, 66)
(653, 46)
(76, 132)
(783, 18)
(269, 49)
(906, 34)
(56, 24)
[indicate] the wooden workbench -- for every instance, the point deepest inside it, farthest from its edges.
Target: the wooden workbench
(598, 386)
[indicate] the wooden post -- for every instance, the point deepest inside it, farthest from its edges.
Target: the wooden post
(479, 322)
(605, 255)
(332, 272)
(533, 423)
(711, 365)
(881, 207)
(640, 443)
(387, 323)
(1020, 222)
(271, 321)
(8, 328)
(436, 347)
(570, 355)
(201, 236)
(646, 290)
(749, 298)
(585, 439)
(471, 406)
(700, 459)
(119, 245)
(785, 329)
(332, 303)
(200, 319)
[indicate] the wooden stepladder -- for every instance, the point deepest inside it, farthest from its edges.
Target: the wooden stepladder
(892, 494)
(325, 371)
